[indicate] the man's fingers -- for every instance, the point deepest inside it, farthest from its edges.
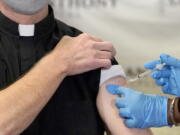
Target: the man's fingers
(151, 65)
(99, 44)
(102, 63)
(117, 90)
(90, 37)
(95, 38)
(104, 55)
(86, 37)
(105, 46)
(169, 60)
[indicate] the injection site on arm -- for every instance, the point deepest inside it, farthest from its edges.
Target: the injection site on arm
(106, 103)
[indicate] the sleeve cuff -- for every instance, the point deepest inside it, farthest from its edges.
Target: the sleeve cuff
(114, 71)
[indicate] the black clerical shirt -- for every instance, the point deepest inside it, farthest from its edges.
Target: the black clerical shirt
(72, 110)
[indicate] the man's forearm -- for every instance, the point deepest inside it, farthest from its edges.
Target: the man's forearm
(22, 101)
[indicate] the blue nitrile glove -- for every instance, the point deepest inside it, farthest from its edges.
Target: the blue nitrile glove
(140, 110)
(169, 77)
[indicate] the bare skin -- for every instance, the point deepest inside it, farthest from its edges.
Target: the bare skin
(23, 19)
(110, 114)
(33, 90)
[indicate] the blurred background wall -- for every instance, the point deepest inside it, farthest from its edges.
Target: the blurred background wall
(139, 29)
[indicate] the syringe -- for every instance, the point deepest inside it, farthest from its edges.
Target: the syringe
(146, 73)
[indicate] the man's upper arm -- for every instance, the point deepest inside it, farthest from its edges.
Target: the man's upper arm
(110, 114)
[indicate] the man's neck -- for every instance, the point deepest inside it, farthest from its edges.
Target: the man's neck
(23, 19)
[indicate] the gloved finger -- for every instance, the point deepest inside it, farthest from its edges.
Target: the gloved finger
(130, 123)
(161, 81)
(165, 88)
(117, 90)
(161, 74)
(169, 60)
(151, 65)
(125, 113)
(120, 103)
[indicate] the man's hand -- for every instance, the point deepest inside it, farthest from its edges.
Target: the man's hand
(33, 91)
(140, 110)
(169, 77)
(84, 53)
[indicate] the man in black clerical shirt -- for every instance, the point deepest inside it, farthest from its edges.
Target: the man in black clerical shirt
(50, 75)
(34, 67)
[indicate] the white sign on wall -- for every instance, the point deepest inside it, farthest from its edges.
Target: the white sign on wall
(140, 29)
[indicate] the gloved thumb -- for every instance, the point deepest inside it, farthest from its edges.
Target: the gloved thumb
(169, 60)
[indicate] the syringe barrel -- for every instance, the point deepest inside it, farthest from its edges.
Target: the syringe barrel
(146, 73)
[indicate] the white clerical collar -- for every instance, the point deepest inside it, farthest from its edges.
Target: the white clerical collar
(26, 30)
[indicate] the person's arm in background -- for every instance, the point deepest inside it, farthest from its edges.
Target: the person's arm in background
(21, 102)
(110, 114)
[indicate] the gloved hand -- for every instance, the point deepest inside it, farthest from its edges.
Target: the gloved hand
(169, 77)
(140, 110)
